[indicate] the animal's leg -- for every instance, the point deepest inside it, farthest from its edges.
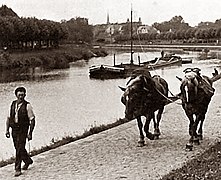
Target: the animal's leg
(191, 123)
(195, 135)
(157, 127)
(200, 131)
(191, 130)
(140, 126)
(189, 145)
(154, 123)
(146, 127)
(183, 92)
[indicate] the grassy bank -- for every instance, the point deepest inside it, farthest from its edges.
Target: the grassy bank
(68, 139)
(205, 166)
(56, 58)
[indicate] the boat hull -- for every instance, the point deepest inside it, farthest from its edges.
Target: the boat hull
(186, 61)
(174, 62)
(106, 72)
(125, 70)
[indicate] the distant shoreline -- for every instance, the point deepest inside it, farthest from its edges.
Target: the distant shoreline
(190, 47)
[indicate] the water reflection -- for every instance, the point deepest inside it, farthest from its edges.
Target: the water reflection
(29, 74)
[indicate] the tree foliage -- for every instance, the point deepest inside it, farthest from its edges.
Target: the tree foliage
(29, 32)
(79, 30)
(16, 32)
(175, 24)
(177, 29)
(5, 11)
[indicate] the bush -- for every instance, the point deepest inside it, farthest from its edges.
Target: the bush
(51, 59)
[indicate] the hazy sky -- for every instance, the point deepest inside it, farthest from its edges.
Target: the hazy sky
(150, 11)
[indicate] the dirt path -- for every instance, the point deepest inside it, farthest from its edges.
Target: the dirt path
(113, 154)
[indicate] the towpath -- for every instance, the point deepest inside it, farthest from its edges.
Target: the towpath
(114, 154)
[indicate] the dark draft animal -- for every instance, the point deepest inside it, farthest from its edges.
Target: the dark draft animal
(196, 93)
(143, 96)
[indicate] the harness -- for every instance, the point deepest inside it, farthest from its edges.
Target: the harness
(156, 86)
(164, 90)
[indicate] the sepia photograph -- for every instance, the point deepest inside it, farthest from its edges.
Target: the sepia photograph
(110, 90)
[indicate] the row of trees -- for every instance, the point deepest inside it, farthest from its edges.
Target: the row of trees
(177, 29)
(29, 32)
(192, 35)
(16, 32)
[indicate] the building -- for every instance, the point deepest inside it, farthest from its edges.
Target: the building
(145, 29)
(107, 32)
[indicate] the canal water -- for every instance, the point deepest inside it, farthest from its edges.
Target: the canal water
(67, 102)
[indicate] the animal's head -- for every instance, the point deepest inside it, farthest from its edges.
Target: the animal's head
(134, 95)
(190, 83)
(193, 85)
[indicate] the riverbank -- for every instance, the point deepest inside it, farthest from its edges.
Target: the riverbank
(114, 154)
(205, 51)
(59, 58)
(183, 47)
(67, 140)
(54, 58)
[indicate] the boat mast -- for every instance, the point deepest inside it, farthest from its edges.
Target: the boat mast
(131, 36)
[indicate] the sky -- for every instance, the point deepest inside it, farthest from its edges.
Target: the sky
(150, 11)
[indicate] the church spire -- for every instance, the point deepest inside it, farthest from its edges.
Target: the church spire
(108, 20)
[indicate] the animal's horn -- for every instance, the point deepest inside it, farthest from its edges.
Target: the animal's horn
(122, 88)
(215, 72)
(187, 70)
(216, 76)
(179, 78)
